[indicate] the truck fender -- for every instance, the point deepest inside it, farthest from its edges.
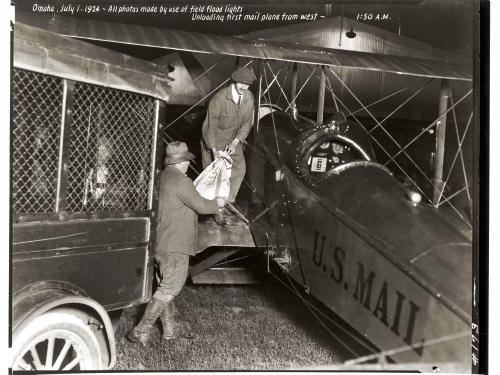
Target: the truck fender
(35, 300)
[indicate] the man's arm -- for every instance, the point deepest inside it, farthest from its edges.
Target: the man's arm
(246, 121)
(191, 198)
(232, 145)
(213, 114)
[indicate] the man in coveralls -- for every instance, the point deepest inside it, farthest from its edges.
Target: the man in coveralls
(180, 205)
(227, 124)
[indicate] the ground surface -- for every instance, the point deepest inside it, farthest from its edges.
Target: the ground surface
(261, 327)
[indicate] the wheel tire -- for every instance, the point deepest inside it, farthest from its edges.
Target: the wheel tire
(56, 340)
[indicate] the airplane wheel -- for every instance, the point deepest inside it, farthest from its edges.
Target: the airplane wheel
(56, 341)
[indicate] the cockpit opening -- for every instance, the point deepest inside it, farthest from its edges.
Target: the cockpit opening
(323, 151)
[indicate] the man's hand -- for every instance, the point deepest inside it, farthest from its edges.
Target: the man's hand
(231, 148)
(221, 202)
(215, 153)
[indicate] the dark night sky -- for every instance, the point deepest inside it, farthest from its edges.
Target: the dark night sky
(445, 24)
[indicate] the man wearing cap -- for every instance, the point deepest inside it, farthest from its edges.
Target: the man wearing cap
(227, 124)
(178, 211)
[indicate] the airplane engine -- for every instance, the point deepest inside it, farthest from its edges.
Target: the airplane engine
(360, 241)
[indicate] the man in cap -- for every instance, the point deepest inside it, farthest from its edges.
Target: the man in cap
(179, 207)
(227, 124)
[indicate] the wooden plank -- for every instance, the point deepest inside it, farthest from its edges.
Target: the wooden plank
(34, 255)
(42, 235)
(237, 233)
(211, 260)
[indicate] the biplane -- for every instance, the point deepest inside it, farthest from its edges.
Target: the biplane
(373, 249)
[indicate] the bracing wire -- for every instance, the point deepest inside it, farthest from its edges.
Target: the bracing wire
(448, 198)
(302, 87)
(460, 142)
(318, 314)
(285, 184)
(275, 79)
(202, 99)
(282, 92)
(428, 127)
(171, 129)
(459, 152)
(407, 100)
(381, 147)
(334, 97)
(366, 106)
(200, 76)
(384, 150)
(272, 117)
(231, 260)
(390, 352)
(284, 83)
(413, 162)
(385, 130)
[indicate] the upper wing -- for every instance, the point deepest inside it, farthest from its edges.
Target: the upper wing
(209, 43)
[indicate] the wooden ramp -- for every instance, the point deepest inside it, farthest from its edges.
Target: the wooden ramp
(227, 241)
(235, 234)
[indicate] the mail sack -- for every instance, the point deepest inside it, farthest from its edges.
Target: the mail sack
(214, 180)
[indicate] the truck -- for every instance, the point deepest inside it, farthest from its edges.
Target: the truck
(86, 150)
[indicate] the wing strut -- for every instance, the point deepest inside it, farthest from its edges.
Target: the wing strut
(321, 96)
(444, 95)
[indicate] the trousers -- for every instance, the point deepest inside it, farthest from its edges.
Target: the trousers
(238, 169)
(171, 275)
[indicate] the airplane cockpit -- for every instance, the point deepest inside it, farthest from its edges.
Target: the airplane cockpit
(314, 152)
(329, 155)
(327, 150)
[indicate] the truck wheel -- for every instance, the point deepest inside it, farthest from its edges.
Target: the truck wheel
(56, 341)
(115, 317)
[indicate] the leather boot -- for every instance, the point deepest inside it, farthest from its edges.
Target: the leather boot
(171, 324)
(168, 321)
(142, 332)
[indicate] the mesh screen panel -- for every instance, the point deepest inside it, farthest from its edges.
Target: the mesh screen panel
(110, 150)
(36, 120)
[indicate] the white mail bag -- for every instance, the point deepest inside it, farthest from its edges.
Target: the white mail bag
(214, 180)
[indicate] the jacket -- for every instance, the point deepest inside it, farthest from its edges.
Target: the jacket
(226, 120)
(179, 207)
